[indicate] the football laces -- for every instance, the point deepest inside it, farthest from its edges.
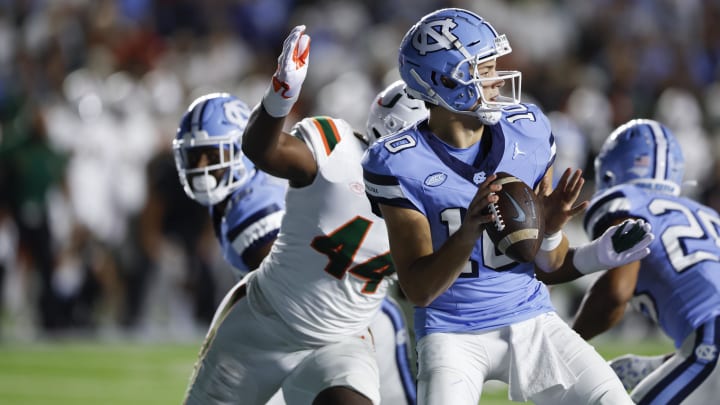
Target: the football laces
(498, 221)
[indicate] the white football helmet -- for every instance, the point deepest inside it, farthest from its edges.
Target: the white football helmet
(393, 110)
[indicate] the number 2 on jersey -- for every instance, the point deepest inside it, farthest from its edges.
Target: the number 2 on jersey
(341, 245)
(700, 226)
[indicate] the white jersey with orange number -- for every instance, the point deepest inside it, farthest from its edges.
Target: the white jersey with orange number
(332, 284)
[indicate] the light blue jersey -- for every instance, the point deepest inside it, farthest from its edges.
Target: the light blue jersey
(679, 282)
(252, 218)
(414, 169)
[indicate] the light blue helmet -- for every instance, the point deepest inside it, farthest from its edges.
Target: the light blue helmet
(641, 152)
(212, 126)
(438, 59)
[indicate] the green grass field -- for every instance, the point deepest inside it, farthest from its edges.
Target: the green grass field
(120, 374)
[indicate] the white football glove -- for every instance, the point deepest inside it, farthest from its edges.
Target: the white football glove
(284, 90)
(617, 246)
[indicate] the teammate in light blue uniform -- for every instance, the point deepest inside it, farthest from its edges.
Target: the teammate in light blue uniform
(639, 172)
(246, 205)
(478, 314)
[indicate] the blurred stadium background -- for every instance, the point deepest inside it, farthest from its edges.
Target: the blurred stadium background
(109, 275)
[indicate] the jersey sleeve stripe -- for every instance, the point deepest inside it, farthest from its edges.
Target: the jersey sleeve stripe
(268, 225)
(602, 213)
(255, 217)
(384, 189)
(328, 131)
(382, 186)
(380, 179)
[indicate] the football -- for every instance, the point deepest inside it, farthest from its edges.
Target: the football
(518, 228)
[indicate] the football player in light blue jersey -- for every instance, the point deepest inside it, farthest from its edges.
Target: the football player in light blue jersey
(639, 172)
(246, 205)
(478, 314)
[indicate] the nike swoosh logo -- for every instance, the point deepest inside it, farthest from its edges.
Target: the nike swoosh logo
(520, 217)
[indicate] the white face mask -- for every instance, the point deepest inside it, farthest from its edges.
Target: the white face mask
(204, 183)
(206, 191)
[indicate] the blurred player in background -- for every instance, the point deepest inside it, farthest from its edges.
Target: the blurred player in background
(639, 173)
(300, 322)
(246, 205)
(478, 314)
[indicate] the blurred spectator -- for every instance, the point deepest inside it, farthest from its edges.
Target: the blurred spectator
(31, 168)
(175, 277)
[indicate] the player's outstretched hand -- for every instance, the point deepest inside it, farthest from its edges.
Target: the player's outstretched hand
(478, 214)
(619, 245)
(559, 205)
(284, 90)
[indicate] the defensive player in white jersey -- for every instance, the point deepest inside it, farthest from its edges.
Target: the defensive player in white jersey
(300, 322)
(478, 314)
(639, 172)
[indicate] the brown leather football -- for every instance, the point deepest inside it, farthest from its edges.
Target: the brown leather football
(519, 225)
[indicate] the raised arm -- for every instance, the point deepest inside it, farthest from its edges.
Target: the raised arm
(264, 141)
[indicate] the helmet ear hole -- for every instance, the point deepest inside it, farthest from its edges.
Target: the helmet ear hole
(608, 178)
(448, 82)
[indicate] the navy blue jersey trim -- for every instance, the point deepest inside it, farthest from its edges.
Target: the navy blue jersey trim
(482, 163)
(265, 239)
(380, 179)
(395, 202)
(256, 216)
(402, 358)
(707, 369)
(600, 203)
(702, 375)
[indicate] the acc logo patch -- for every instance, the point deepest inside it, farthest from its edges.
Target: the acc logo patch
(428, 39)
(435, 179)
